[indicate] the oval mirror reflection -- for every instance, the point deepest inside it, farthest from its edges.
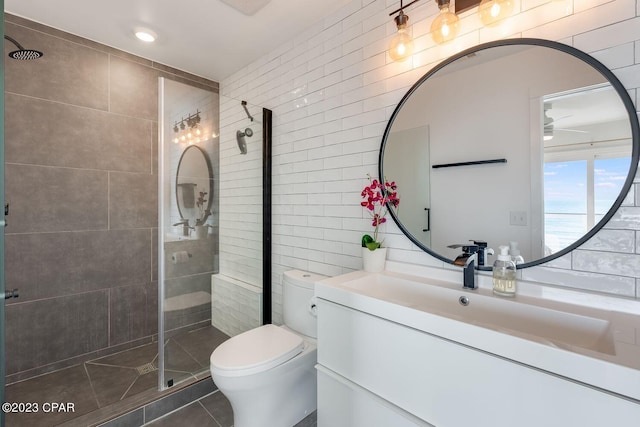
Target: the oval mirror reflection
(194, 185)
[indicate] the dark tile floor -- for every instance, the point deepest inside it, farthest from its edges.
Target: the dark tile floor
(213, 410)
(109, 381)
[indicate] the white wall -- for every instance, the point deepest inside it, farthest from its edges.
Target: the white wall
(332, 90)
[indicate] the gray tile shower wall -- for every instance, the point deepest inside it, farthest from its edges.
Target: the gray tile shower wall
(81, 181)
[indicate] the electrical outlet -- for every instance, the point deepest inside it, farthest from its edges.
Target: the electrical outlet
(518, 218)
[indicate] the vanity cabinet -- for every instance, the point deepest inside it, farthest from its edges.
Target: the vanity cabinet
(375, 372)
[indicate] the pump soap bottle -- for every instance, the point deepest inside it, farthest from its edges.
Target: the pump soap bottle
(504, 274)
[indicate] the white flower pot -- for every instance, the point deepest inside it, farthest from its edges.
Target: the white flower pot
(201, 231)
(373, 261)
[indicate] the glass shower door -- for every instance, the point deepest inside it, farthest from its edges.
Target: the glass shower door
(188, 229)
(214, 245)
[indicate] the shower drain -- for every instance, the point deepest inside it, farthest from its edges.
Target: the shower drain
(146, 368)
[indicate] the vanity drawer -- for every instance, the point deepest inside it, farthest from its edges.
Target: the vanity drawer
(342, 403)
(448, 384)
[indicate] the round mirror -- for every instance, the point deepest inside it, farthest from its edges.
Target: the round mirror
(520, 142)
(194, 186)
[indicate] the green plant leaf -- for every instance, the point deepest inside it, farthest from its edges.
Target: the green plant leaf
(372, 245)
(366, 239)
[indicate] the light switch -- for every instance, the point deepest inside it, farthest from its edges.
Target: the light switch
(518, 218)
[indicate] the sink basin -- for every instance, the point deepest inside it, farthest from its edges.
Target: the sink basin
(169, 237)
(546, 325)
(592, 339)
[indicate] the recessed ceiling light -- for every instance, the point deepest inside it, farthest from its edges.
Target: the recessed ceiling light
(248, 7)
(146, 35)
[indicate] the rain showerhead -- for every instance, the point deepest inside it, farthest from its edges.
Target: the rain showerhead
(22, 53)
(242, 144)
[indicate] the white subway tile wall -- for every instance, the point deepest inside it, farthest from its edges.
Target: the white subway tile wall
(240, 196)
(332, 90)
(235, 306)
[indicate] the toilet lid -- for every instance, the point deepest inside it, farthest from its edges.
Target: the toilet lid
(255, 351)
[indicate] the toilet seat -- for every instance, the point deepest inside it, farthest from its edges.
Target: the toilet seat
(255, 351)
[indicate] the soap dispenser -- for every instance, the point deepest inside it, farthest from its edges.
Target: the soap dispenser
(504, 274)
(515, 253)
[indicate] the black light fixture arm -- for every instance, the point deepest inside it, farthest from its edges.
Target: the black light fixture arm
(402, 7)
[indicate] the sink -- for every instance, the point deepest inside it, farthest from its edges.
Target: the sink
(550, 326)
(592, 339)
(170, 237)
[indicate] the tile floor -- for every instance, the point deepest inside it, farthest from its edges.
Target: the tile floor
(213, 410)
(108, 382)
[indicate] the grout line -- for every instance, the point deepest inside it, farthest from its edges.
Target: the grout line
(203, 407)
(129, 388)
(108, 365)
(93, 390)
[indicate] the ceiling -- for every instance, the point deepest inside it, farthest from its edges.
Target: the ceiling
(208, 38)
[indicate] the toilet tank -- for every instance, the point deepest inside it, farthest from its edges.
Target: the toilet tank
(298, 299)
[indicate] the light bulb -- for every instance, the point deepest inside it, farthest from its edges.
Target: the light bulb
(183, 138)
(401, 45)
(176, 140)
(493, 11)
(446, 25)
(198, 132)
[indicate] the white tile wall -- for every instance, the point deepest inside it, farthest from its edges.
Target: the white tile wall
(332, 90)
(240, 194)
(235, 306)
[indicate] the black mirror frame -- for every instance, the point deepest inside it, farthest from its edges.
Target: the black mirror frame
(613, 80)
(209, 168)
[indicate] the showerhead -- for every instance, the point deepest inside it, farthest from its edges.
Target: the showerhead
(22, 53)
(247, 132)
(242, 144)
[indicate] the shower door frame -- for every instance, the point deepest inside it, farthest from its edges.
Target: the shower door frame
(2, 203)
(267, 117)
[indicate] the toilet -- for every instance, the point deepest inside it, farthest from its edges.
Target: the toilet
(268, 373)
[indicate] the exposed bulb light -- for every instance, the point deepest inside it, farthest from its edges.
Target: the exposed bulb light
(447, 24)
(493, 11)
(146, 35)
(401, 45)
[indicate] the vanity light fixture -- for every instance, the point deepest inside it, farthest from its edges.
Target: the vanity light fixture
(186, 129)
(447, 25)
(493, 11)
(401, 45)
(444, 28)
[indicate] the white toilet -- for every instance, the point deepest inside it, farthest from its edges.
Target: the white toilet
(268, 373)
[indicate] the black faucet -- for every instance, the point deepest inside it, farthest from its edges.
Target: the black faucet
(483, 252)
(185, 226)
(467, 260)
(469, 273)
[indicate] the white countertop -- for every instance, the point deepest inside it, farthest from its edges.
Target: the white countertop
(426, 299)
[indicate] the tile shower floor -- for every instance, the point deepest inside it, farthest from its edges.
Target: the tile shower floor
(109, 381)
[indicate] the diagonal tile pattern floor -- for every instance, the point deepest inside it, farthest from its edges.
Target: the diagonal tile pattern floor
(112, 379)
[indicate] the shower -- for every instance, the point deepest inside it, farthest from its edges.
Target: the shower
(242, 144)
(22, 53)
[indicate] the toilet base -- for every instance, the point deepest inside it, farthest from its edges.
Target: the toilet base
(279, 397)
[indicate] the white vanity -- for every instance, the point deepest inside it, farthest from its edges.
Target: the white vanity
(410, 347)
